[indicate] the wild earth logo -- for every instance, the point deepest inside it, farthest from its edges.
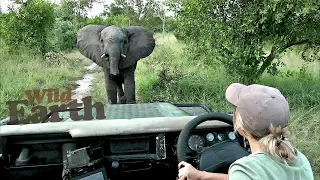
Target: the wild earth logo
(38, 112)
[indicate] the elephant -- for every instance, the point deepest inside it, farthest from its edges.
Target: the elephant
(117, 50)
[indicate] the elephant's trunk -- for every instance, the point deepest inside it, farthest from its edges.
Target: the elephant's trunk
(114, 53)
(114, 64)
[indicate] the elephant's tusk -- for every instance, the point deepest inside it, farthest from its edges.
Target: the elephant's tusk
(103, 55)
(123, 55)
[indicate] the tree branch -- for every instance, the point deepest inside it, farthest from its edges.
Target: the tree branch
(271, 56)
(300, 43)
(267, 62)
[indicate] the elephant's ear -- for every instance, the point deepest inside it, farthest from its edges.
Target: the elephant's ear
(141, 45)
(88, 42)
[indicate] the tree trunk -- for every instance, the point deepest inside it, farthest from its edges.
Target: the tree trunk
(266, 63)
(163, 25)
(271, 56)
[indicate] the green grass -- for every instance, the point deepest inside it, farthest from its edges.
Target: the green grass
(293, 61)
(25, 71)
(305, 132)
(98, 88)
(169, 75)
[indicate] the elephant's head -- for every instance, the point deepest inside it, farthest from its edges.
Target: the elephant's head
(113, 47)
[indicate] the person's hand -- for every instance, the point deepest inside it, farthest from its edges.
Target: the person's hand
(188, 172)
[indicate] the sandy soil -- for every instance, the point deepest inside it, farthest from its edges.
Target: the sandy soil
(85, 84)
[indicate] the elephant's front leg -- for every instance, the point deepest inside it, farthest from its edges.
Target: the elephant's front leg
(121, 97)
(129, 85)
(129, 90)
(111, 88)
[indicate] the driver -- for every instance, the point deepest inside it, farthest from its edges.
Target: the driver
(261, 116)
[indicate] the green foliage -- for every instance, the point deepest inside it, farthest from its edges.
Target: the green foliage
(28, 71)
(171, 24)
(136, 13)
(10, 31)
(153, 24)
(2, 17)
(236, 32)
(119, 20)
(71, 9)
(113, 10)
(96, 20)
(29, 26)
(63, 36)
(75, 11)
(68, 9)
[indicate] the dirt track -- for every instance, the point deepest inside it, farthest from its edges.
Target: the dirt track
(85, 84)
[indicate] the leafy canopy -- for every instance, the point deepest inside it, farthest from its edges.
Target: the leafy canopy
(29, 25)
(238, 31)
(137, 13)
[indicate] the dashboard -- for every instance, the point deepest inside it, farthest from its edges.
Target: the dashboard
(206, 138)
(120, 148)
(123, 154)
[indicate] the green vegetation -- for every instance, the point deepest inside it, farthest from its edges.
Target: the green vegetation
(25, 71)
(274, 43)
(169, 75)
(237, 32)
(29, 27)
(36, 29)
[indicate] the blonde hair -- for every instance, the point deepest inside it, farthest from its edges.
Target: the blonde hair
(276, 143)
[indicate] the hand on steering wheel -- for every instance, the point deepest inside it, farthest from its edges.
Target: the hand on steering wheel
(187, 172)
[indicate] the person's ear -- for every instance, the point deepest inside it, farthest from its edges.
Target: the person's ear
(243, 133)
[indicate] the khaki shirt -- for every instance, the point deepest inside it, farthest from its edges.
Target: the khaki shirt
(260, 166)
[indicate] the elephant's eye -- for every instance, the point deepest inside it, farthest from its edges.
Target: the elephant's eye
(125, 42)
(101, 40)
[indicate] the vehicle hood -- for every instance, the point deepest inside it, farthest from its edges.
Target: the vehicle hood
(131, 111)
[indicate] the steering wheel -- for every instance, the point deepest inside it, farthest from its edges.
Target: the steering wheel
(218, 157)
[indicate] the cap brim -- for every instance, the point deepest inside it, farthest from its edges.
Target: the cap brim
(233, 91)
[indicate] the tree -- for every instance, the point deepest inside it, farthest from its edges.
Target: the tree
(76, 11)
(29, 26)
(129, 10)
(238, 31)
(2, 16)
(150, 14)
(113, 10)
(63, 36)
(161, 8)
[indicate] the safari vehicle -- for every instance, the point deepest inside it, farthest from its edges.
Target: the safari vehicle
(136, 141)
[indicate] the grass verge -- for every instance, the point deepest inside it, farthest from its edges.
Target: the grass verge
(25, 71)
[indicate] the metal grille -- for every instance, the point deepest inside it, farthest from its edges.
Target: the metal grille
(130, 111)
(126, 111)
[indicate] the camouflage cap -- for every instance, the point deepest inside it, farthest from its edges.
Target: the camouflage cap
(259, 106)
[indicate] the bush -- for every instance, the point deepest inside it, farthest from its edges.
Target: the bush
(97, 20)
(119, 20)
(63, 37)
(29, 26)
